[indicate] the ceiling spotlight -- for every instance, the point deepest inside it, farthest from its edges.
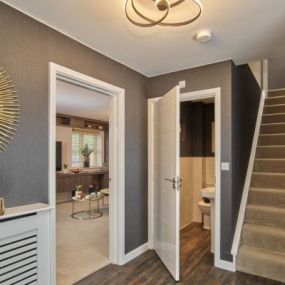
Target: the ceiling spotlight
(164, 6)
(204, 36)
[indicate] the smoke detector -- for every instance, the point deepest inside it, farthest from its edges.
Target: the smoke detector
(204, 36)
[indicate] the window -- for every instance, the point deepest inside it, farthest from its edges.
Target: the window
(95, 141)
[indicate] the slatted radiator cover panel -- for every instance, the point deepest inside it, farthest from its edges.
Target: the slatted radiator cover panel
(18, 259)
(25, 250)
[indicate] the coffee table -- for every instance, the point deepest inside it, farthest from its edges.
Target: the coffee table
(90, 213)
(105, 192)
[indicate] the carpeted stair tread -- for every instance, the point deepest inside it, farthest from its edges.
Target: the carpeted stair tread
(269, 238)
(265, 216)
(273, 124)
(271, 139)
(261, 262)
(276, 100)
(276, 165)
(267, 197)
(276, 93)
(268, 180)
(273, 118)
(270, 151)
(273, 109)
(272, 128)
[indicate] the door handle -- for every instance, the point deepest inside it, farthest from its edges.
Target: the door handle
(176, 183)
(173, 181)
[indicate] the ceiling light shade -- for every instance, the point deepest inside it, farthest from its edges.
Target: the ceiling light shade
(159, 12)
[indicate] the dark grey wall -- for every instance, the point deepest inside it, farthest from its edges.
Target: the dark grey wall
(276, 73)
(26, 48)
(210, 76)
(245, 102)
(196, 129)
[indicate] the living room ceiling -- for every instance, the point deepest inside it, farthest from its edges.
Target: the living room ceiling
(242, 30)
(77, 101)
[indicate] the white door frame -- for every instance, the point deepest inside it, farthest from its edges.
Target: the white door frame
(190, 96)
(116, 157)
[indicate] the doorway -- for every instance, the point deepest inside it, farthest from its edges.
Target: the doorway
(197, 172)
(191, 96)
(82, 182)
(116, 157)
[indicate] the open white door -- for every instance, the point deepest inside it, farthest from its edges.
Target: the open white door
(167, 180)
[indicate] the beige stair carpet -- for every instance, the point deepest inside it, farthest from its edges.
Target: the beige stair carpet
(262, 247)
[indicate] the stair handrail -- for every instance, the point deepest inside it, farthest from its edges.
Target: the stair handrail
(241, 214)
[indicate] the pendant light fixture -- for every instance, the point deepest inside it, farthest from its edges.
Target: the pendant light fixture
(164, 7)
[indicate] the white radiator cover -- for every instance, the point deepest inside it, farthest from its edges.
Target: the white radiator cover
(25, 250)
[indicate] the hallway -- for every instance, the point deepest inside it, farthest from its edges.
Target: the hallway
(196, 267)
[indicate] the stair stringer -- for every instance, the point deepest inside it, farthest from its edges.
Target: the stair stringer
(241, 215)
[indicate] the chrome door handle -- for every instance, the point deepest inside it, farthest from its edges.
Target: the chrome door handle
(173, 181)
(170, 180)
(176, 183)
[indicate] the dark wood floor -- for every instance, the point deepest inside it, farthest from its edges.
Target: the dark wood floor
(196, 267)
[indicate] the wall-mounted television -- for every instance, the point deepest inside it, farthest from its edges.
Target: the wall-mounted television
(58, 160)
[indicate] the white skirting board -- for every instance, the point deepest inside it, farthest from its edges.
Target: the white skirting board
(136, 252)
(227, 265)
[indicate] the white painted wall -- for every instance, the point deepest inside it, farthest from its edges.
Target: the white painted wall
(64, 134)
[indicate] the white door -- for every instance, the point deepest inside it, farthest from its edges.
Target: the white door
(166, 180)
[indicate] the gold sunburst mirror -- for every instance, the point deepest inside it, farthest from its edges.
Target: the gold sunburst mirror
(9, 110)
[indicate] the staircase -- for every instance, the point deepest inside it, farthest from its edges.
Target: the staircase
(262, 246)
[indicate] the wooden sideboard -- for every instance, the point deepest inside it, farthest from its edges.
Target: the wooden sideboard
(66, 182)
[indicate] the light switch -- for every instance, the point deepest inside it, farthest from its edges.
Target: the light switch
(225, 166)
(182, 84)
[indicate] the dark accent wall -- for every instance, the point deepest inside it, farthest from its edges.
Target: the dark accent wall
(245, 103)
(196, 129)
(26, 48)
(276, 73)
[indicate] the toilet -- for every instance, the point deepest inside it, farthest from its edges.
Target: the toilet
(205, 208)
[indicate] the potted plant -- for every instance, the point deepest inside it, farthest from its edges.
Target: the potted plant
(86, 151)
(65, 168)
(78, 191)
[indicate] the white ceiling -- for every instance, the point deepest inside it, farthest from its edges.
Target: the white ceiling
(80, 102)
(244, 30)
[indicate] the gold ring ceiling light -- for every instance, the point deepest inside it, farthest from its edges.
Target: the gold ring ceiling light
(163, 9)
